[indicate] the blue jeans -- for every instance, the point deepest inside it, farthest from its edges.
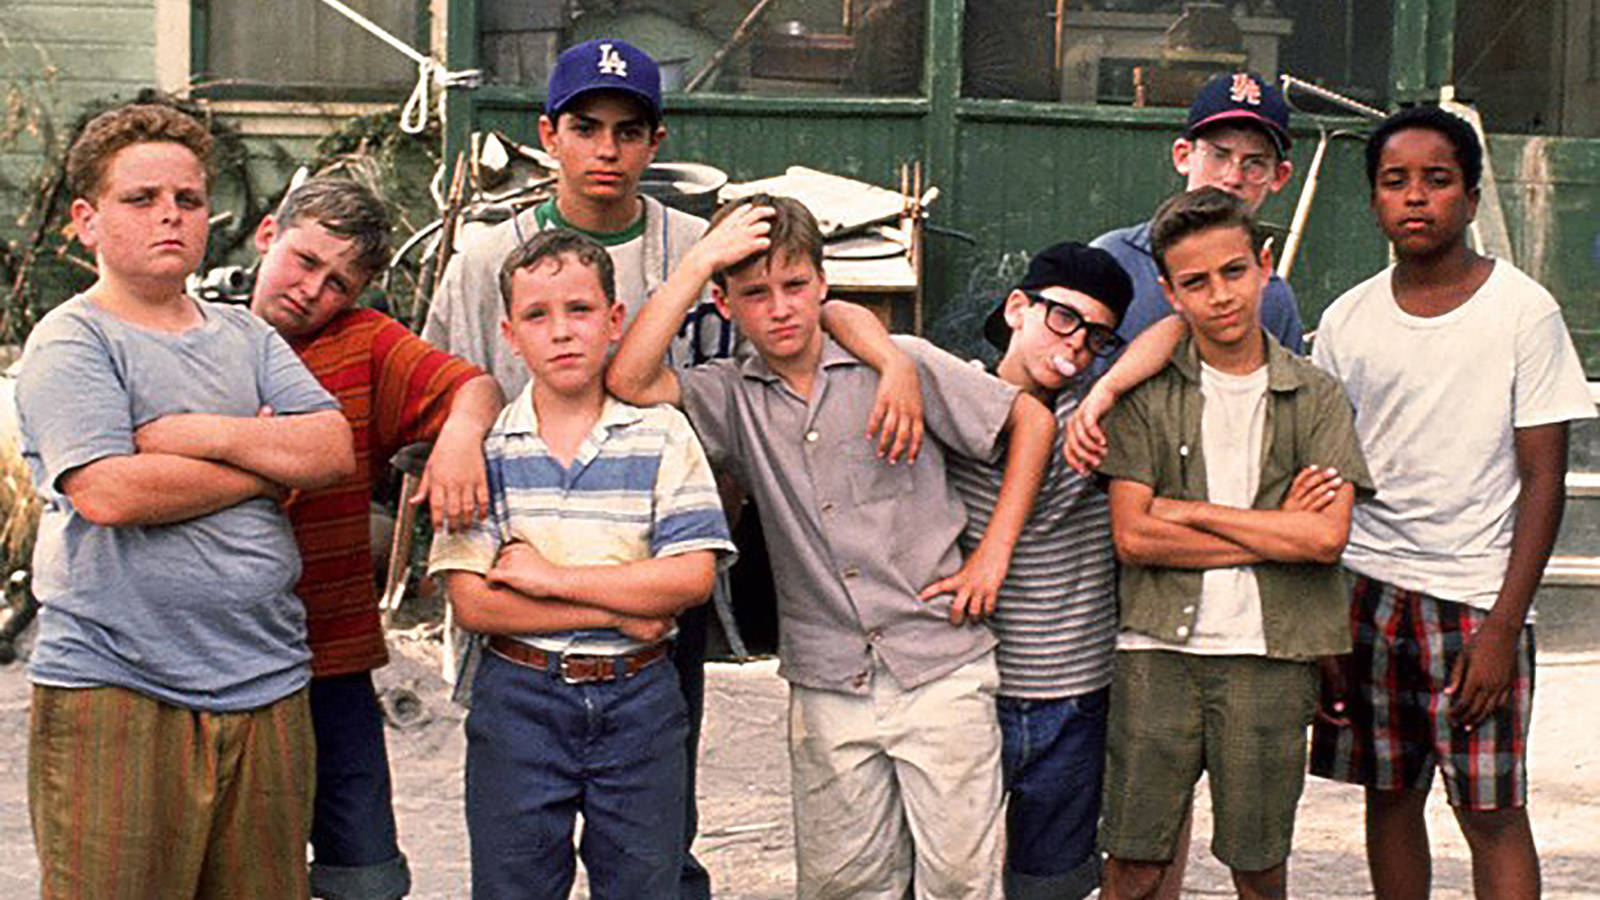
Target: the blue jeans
(540, 750)
(1053, 759)
(355, 854)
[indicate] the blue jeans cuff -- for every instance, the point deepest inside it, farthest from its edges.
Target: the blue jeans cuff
(1075, 884)
(388, 880)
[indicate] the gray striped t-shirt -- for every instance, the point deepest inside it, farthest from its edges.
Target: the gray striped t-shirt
(1057, 613)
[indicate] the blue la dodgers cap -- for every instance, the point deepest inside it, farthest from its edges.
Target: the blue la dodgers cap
(1242, 98)
(603, 64)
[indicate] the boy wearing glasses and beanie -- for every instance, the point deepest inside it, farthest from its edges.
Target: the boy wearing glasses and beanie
(1236, 139)
(1056, 617)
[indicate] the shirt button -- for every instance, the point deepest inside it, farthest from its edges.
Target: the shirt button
(811, 437)
(1183, 631)
(860, 679)
(828, 506)
(852, 572)
(874, 636)
(1189, 609)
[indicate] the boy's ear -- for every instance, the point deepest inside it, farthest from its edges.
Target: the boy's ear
(719, 298)
(1166, 291)
(1265, 258)
(83, 212)
(266, 233)
(1182, 155)
(614, 317)
(505, 335)
(1281, 176)
(547, 132)
(1016, 303)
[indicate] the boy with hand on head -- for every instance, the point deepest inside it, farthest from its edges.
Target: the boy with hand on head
(1228, 518)
(171, 749)
(319, 250)
(1464, 380)
(892, 724)
(605, 524)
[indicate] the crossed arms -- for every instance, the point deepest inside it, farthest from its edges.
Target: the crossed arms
(525, 593)
(191, 464)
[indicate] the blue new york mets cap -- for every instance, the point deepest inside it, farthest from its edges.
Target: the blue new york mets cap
(603, 64)
(1243, 98)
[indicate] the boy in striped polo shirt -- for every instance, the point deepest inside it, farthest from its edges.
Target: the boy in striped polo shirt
(604, 524)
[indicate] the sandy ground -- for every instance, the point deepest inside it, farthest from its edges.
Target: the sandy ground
(746, 837)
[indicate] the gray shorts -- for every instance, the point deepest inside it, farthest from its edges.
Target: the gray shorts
(1240, 719)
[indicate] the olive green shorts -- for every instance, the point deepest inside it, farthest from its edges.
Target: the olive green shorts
(1240, 719)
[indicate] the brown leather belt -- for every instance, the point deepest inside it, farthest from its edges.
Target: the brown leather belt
(577, 668)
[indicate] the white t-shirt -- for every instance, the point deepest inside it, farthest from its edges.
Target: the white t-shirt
(1232, 428)
(1436, 402)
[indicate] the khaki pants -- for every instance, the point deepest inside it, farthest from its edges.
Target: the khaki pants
(898, 781)
(134, 798)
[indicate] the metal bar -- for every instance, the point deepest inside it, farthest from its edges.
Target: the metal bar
(1317, 90)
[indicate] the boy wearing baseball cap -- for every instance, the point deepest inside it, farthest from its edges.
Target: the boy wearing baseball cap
(1236, 139)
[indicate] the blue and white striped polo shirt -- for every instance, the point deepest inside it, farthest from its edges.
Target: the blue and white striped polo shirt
(638, 488)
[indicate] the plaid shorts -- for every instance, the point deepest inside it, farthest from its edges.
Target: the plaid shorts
(1400, 727)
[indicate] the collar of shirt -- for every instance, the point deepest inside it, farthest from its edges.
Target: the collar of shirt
(519, 418)
(754, 365)
(1282, 374)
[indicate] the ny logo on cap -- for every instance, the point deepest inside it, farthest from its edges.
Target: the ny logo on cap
(611, 62)
(1245, 90)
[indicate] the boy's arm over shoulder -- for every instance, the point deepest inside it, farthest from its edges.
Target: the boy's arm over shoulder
(963, 406)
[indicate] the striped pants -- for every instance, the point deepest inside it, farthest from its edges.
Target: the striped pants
(134, 798)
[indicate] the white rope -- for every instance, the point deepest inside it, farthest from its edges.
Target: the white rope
(414, 115)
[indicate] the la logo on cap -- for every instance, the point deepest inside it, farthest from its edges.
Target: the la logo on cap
(1245, 89)
(612, 63)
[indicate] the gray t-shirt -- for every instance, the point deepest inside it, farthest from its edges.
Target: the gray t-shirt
(199, 613)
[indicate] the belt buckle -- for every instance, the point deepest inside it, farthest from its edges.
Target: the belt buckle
(570, 677)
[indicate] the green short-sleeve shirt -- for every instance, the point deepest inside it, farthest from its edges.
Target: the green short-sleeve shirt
(1154, 438)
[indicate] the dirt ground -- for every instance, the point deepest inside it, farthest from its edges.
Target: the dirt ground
(746, 838)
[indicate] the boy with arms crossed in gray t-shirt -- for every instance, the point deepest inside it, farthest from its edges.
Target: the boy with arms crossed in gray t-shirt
(171, 748)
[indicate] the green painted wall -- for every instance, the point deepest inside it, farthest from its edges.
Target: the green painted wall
(56, 55)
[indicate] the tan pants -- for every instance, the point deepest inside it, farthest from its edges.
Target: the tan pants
(898, 781)
(134, 798)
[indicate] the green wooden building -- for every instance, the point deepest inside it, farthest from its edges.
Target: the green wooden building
(1023, 112)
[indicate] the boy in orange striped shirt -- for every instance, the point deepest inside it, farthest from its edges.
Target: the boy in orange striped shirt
(318, 251)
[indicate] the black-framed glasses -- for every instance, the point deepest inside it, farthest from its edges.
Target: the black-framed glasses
(1064, 321)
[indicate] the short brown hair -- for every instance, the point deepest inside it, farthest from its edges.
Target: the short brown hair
(794, 233)
(347, 209)
(555, 244)
(123, 126)
(1192, 212)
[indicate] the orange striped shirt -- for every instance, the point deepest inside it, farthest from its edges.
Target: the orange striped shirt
(395, 389)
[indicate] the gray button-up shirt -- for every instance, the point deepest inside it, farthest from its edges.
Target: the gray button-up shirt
(852, 538)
